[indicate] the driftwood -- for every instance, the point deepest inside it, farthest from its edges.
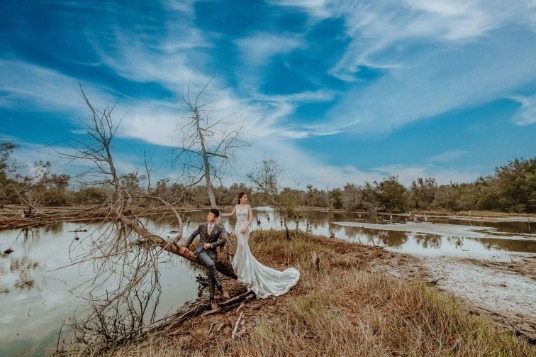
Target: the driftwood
(200, 308)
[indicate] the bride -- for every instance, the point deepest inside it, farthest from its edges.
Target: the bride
(262, 280)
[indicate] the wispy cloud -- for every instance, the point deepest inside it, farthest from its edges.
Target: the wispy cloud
(259, 49)
(427, 58)
(316, 8)
(27, 84)
(442, 81)
(447, 156)
(443, 176)
(526, 114)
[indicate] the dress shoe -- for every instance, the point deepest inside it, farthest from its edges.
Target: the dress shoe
(213, 305)
(224, 294)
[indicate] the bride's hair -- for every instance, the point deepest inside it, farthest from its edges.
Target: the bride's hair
(240, 195)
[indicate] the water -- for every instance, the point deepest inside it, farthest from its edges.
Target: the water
(36, 297)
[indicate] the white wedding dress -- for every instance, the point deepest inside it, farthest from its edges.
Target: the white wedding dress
(262, 280)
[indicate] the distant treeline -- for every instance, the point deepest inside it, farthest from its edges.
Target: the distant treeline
(512, 188)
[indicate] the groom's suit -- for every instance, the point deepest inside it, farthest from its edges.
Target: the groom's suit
(216, 238)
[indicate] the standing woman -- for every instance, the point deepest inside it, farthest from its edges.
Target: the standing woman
(262, 280)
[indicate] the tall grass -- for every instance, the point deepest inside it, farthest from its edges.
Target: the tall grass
(363, 314)
(343, 310)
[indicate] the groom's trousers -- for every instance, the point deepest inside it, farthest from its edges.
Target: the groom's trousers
(205, 259)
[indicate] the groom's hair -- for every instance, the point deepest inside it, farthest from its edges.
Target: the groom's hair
(215, 211)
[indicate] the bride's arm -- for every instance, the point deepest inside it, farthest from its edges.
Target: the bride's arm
(228, 214)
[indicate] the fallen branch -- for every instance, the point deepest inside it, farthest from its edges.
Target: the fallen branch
(200, 308)
(434, 282)
(236, 325)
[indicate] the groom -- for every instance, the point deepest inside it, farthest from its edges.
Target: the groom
(211, 236)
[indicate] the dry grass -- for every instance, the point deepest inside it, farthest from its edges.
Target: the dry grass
(341, 310)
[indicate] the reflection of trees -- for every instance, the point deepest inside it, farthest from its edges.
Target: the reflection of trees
(393, 238)
(512, 227)
(456, 240)
(522, 246)
(428, 240)
(56, 227)
(28, 235)
(23, 266)
(376, 236)
(338, 217)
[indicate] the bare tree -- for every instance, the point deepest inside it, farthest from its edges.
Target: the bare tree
(206, 146)
(6, 148)
(266, 179)
(122, 247)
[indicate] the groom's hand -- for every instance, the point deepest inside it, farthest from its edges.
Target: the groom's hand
(183, 250)
(207, 246)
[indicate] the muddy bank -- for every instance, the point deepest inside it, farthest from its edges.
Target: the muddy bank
(499, 284)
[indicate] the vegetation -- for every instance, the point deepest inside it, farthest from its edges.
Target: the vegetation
(512, 189)
(342, 308)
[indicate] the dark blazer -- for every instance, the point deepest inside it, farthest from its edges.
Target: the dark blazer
(217, 238)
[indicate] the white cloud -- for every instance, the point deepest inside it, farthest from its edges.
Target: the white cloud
(526, 114)
(26, 84)
(169, 57)
(440, 81)
(316, 8)
(259, 49)
(443, 176)
(437, 56)
(381, 32)
(300, 168)
(447, 156)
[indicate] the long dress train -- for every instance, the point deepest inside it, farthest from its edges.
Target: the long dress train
(262, 280)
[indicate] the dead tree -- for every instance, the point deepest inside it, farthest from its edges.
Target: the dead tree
(122, 246)
(206, 146)
(266, 177)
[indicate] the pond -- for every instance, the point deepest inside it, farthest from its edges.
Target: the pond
(38, 286)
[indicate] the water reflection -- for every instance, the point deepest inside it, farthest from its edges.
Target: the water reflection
(509, 245)
(37, 297)
(427, 243)
(373, 236)
(527, 226)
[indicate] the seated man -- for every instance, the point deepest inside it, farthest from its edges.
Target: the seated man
(211, 236)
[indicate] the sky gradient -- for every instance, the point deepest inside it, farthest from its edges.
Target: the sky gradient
(336, 91)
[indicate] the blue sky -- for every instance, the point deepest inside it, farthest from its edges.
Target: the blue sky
(337, 91)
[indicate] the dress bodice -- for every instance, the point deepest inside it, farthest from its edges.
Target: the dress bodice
(242, 214)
